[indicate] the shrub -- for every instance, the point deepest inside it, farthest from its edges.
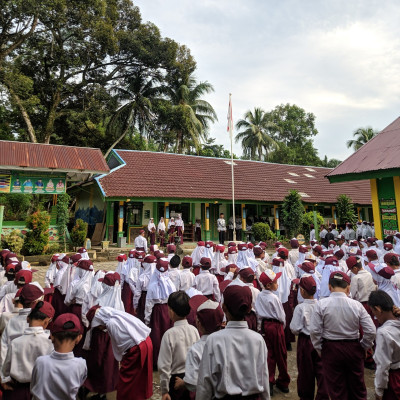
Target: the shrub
(79, 232)
(262, 232)
(37, 238)
(16, 205)
(308, 219)
(62, 217)
(292, 213)
(13, 241)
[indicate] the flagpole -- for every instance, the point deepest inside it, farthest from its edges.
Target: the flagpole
(230, 128)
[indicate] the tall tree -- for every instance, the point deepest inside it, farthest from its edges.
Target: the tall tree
(255, 135)
(362, 136)
(345, 209)
(292, 213)
(329, 163)
(187, 116)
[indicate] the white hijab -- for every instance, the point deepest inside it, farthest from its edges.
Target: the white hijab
(244, 261)
(80, 286)
(145, 276)
(111, 296)
(151, 225)
(161, 225)
(218, 262)
(91, 298)
(127, 330)
(197, 254)
(61, 277)
(160, 286)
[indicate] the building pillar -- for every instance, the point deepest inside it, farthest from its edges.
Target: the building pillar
(243, 207)
(166, 214)
(121, 219)
(334, 219)
(207, 221)
(155, 212)
(375, 209)
(110, 221)
(276, 219)
(193, 213)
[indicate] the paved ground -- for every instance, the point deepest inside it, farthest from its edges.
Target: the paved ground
(369, 377)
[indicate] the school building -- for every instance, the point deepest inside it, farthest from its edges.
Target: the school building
(378, 164)
(144, 184)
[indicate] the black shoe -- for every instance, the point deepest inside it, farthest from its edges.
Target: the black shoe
(289, 346)
(282, 388)
(271, 389)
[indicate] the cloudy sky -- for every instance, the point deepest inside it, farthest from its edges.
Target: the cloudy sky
(338, 59)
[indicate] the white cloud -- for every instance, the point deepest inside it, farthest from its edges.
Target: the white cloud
(338, 59)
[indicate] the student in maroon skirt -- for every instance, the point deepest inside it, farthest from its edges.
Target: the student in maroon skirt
(156, 308)
(161, 231)
(139, 298)
(132, 347)
(387, 374)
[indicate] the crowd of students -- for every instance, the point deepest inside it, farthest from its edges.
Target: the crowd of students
(217, 324)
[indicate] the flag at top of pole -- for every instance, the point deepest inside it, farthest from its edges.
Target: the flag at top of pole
(230, 119)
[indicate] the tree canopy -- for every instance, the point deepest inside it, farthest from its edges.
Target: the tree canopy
(362, 136)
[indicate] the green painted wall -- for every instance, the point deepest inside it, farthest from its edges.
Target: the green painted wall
(387, 205)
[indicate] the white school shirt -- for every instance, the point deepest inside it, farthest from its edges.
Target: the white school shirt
(23, 352)
(229, 367)
(5, 318)
(8, 287)
(174, 275)
(7, 303)
(173, 350)
(285, 281)
(293, 256)
(207, 284)
(192, 364)
(338, 317)
(387, 286)
(361, 286)
(141, 241)
(58, 376)
(186, 279)
(312, 234)
(326, 273)
(387, 353)
(14, 329)
(268, 306)
(302, 317)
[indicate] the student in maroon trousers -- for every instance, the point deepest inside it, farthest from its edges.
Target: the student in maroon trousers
(309, 364)
(335, 335)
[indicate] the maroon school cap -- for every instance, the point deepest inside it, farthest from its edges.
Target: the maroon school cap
(74, 258)
(318, 249)
(132, 254)
(228, 267)
(277, 244)
(220, 248)
(303, 249)
(242, 246)
(388, 257)
(87, 265)
(238, 298)
(158, 254)
(140, 255)
(210, 315)
(339, 254)
(150, 259)
(232, 250)
(200, 243)
(209, 244)
(351, 262)
(91, 313)
(269, 276)
(307, 266)
(283, 252)
(67, 323)
(246, 272)
(22, 277)
(250, 245)
(388, 246)
(332, 261)
(32, 292)
(171, 248)
(66, 259)
(230, 244)
(294, 243)
(121, 257)
(258, 250)
(277, 262)
(196, 301)
(308, 284)
(371, 254)
(46, 308)
(340, 276)
(111, 278)
(162, 264)
(205, 262)
(371, 240)
(187, 262)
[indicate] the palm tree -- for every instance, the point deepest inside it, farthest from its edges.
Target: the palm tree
(139, 94)
(256, 134)
(191, 115)
(362, 135)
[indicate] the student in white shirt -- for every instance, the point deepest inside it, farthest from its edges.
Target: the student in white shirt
(309, 364)
(140, 241)
(241, 351)
(174, 346)
(23, 351)
(362, 283)
(272, 321)
(6, 316)
(207, 283)
(387, 349)
(174, 272)
(209, 318)
(186, 278)
(132, 347)
(60, 375)
(221, 227)
(335, 330)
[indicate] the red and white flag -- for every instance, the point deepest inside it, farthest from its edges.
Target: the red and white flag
(230, 119)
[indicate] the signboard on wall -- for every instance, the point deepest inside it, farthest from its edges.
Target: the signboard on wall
(389, 216)
(32, 183)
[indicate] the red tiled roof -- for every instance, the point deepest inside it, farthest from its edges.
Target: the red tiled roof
(380, 153)
(163, 175)
(48, 156)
